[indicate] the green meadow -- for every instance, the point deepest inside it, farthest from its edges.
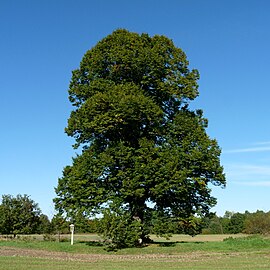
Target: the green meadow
(181, 252)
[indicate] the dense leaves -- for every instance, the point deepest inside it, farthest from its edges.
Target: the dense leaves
(257, 223)
(143, 149)
(251, 223)
(119, 229)
(18, 214)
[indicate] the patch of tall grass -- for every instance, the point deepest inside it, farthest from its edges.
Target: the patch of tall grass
(248, 242)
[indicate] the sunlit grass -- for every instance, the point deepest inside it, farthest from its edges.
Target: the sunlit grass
(177, 244)
(248, 252)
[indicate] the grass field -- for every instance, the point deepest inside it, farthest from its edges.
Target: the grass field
(181, 252)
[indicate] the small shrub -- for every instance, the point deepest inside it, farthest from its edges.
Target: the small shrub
(49, 237)
(24, 238)
(119, 230)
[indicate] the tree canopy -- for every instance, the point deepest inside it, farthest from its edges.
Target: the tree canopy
(143, 148)
(18, 214)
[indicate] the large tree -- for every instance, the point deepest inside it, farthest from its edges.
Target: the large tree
(143, 148)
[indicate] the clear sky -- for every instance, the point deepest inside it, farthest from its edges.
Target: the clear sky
(42, 41)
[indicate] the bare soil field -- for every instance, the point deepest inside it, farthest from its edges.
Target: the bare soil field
(183, 257)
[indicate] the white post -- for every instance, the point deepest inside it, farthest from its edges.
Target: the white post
(72, 233)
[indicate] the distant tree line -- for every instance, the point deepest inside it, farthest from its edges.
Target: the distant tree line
(21, 215)
(232, 223)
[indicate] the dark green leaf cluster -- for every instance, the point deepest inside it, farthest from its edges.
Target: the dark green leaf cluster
(18, 215)
(119, 229)
(142, 145)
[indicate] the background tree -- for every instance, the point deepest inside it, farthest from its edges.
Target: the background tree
(84, 224)
(257, 223)
(230, 223)
(236, 223)
(44, 226)
(213, 224)
(143, 148)
(59, 226)
(18, 214)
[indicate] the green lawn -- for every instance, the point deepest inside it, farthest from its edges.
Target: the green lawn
(212, 253)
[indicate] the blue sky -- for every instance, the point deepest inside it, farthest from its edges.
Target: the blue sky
(42, 41)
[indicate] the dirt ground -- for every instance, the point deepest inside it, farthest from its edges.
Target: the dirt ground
(185, 257)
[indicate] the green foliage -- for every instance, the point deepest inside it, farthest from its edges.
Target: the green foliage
(163, 225)
(59, 225)
(18, 214)
(44, 226)
(236, 223)
(49, 237)
(233, 223)
(142, 146)
(84, 224)
(119, 230)
(213, 225)
(258, 223)
(230, 223)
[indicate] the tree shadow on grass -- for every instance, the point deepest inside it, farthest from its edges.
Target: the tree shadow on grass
(92, 243)
(167, 244)
(161, 244)
(173, 244)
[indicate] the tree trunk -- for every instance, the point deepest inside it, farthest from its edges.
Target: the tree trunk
(137, 210)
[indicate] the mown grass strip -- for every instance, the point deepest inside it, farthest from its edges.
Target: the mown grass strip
(249, 260)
